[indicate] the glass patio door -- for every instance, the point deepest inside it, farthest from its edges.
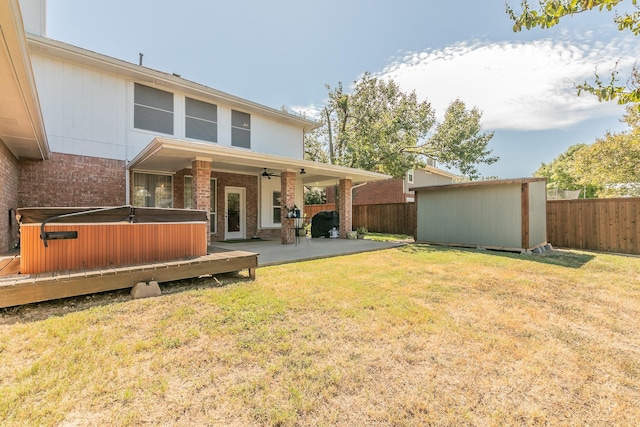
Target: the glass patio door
(234, 213)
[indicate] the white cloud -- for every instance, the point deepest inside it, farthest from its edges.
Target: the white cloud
(518, 85)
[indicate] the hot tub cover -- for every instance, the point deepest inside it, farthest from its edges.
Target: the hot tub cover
(107, 214)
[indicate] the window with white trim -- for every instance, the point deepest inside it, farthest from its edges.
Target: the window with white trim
(276, 207)
(410, 176)
(240, 129)
(188, 192)
(152, 191)
(152, 109)
(213, 194)
(201, 120)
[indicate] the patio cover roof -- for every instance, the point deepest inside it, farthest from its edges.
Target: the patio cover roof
(172, 155)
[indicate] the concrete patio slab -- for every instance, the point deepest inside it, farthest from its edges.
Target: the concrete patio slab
(272, 252)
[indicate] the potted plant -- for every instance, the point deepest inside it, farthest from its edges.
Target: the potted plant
(361, 231)
(352, 234)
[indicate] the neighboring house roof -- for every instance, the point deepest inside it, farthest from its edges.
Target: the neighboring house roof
(21, 124)
(432, 169)
(171, 155)
(150, 76)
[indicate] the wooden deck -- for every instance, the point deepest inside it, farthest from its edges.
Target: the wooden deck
(17, 289)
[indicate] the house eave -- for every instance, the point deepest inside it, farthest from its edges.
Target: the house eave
(171, 155)
(21, 123)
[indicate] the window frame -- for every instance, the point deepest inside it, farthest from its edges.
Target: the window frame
(213, 206)
(151, 108)
(237, 130)
(188, 116)
(275, 206)
(135, 189)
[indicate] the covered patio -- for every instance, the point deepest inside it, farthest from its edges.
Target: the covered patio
(246, 193)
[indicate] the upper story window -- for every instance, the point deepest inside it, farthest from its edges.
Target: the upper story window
(410, 177)
(240, 129)
(152, 109)
(201, 120)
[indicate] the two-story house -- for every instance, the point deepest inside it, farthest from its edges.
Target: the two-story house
(78, 128)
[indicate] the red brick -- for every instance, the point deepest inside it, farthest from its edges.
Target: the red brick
(69, 180)
(8, 198)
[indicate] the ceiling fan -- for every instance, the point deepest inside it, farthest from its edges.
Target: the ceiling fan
(268, 175)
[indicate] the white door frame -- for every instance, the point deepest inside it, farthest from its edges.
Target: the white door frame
(241, 234)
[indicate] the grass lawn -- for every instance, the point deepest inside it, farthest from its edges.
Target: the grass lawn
(409, 336)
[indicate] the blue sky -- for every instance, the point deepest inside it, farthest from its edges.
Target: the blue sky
(283, 52)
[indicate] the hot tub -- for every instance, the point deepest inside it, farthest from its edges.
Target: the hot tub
(59, 239)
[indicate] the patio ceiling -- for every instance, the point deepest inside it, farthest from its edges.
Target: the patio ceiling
(21, 123)
(171, 155)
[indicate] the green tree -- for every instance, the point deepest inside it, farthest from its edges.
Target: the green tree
(562, 174)
(314, 196)
(378, 127)
(612, 163)
(549, 13)
(610, 167)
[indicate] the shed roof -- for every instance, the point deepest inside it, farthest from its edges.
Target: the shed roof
(477, 184)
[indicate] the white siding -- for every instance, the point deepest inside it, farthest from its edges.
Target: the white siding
(90, 112)
(275, 138)
(267, 186)
(84, 110)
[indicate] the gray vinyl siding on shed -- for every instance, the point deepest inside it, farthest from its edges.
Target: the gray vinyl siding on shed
(483, 214)
(474, 216)
(537, 212)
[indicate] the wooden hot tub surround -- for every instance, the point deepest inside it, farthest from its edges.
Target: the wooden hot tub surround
(58, 239)
(92, 250)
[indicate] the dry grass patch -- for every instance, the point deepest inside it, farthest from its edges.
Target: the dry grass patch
(410, 336)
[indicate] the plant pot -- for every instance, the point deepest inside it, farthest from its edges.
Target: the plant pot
(351, 234)
(360, 236)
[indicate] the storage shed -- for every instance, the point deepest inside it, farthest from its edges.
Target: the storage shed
(505, 214)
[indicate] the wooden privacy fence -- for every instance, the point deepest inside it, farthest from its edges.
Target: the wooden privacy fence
(395, 218)
(311, 210)
(609, 225)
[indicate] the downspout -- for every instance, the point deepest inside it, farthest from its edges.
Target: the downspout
(127, 185)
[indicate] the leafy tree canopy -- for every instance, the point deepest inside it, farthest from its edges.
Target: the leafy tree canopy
(548, 13)
(378, 127)
(561, 173)
(610, 167)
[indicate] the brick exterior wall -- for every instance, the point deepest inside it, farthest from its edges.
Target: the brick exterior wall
(8, 198)
(69, 180)
(178, 188)
(375, 193)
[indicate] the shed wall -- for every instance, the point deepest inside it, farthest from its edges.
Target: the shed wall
(475, 216)
(537, 213)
